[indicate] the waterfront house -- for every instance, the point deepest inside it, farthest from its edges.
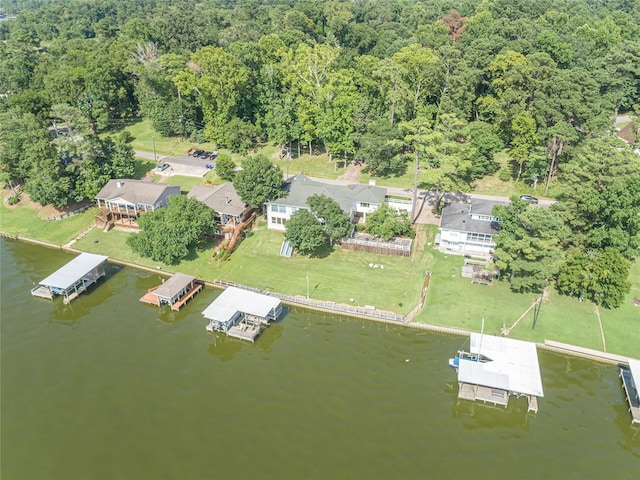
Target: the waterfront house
(356, 200)
(121, 201)
(468, 228)
(224, 200)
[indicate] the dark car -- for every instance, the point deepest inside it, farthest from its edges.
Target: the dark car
(197, 153)
(529, 198)
(205, 155)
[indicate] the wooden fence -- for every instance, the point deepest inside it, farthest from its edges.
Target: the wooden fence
(398, 247)
(68, 214)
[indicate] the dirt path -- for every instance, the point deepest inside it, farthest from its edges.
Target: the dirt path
(352, 175)
(604, 342)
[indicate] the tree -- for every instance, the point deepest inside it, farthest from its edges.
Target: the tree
(598, 275)
(304, 232)
(386, 222)
(225, 167)
(259, 181)
(167, 234)
(335, 223)
(529, 245)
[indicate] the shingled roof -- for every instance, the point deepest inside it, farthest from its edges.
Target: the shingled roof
(301, 187)
(457, 216)
(135, 192)
(222, 198)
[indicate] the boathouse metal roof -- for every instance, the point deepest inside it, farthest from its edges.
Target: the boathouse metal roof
(513, 367)
(73, 271)
(173, 286)
(234, 300)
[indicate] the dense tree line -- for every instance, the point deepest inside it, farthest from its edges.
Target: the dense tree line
(437, 87)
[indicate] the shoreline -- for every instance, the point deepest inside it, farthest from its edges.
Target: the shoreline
(548, 345)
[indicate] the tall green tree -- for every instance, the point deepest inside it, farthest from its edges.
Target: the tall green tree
(597, 275)
(335, 223)
(529, 245)
(259, 181)
(167, 234)
(304, 232)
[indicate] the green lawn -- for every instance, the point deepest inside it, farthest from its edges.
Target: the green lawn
(340, 276)
(24, 220)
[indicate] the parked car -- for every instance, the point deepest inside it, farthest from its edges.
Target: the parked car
(205, 155)
(197, 153)
(163, 167)
(529, 198)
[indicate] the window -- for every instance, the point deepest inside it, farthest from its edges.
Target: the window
(278, 221)
(364, 205)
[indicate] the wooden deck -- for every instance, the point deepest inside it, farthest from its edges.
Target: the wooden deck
(152, 299)
(244, 331)
(471, 392)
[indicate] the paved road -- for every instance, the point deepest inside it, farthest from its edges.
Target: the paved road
(181, 165)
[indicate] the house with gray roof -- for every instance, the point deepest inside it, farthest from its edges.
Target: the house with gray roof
(468, 228)
(122, 200)
(224, 200)
(356, 200)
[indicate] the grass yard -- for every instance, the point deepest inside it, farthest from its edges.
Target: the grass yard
(145, 138)
(340, 276)
(316, 166)
(24, 220)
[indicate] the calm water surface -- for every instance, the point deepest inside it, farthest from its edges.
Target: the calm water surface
(110, 388)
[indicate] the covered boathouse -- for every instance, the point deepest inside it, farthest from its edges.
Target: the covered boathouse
(175, 292)
(73, 278)
(631, 382)
(498, 367)
(239, 313)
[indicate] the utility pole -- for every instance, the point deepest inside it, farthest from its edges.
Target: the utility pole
(153, 142)
(307, 284)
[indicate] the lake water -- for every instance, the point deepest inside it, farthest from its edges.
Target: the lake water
(110, 388)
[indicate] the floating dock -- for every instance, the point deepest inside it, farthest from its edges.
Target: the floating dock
(497, 368)
(631, 381)
(73, 278)
(240, 313)
(175, 292)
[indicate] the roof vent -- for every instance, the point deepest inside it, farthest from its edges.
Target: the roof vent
(120, 184)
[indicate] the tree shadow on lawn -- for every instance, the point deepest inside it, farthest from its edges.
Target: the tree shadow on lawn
(321, 252)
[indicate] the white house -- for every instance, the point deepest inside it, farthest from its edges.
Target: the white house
(356, 200)
(469, 228)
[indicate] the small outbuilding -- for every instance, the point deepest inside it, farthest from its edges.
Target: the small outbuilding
(73, 278)
(239, 312)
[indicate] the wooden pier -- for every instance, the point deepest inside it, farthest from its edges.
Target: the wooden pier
(471, 392)
(245, 330)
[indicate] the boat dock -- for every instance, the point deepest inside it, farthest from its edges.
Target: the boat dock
(175, 292)
(630, 381)
(240, 313)
(497, 368)
(73, 278)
